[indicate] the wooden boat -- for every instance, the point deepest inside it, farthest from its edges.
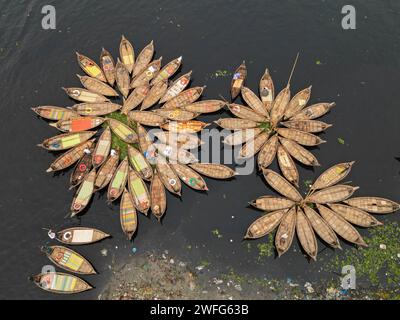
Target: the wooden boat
(122, 78)
(303, 138)
(102, 148)
(139, 163)
(97, 86)
(298, 102)
(205, 106)
(181, 140)
(272, 203)
(96, 109)
(90, 67)
(175, 154)
(127, 54)
(106, 171)
(123, 131)
(147, 118)
(332, 175)
(312, 126)
(281, 185)
(167, 71)
(267, 90)
(143, 59)
(341, 226)
(287, 166)
(54, 113)
(354, 215)
(145, 142)
(66, 140)
(314, 111)
(373, 204)
(298, 152)
(251, 147)
(246, 113)
(238, 80)
(128, 216)
(80, 235)
(335, 193)
(285, 233)
(84, 95)
(213, 170)
(268, 152)
(254, 102)
(191, 126)
(168, 176)
(83, 194)
(82, 168)
(147, 74)
(68, 158)
(139, 192)
(58, 282)
(264, 225)
(108, 66)
(306, 234)
(236, 124)
(241, 136)
(78, 124)
(135, 98)
(184, 98)
(177, 114)
(177, 87)
(155, 93)
(118, 181)
(190, 177)
(158, 197)
(68, 259)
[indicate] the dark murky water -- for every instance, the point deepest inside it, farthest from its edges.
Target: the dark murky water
(358, 70)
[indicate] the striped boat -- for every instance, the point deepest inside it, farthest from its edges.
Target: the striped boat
(66, 140)
(138, 190)
(128, 216)
(58, 282)
(54, 113)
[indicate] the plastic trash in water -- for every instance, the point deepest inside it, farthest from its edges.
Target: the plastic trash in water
(134, 250)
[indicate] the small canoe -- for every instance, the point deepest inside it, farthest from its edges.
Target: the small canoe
(127, 53)
(298, 102)
(312, 126)
(139, 163)
(253, 146)
(279, 105)
(96, 109)
(287, 166)
(306, 234)
(66, 140)
(84, 95)
(138, 190)
(78, 124)
(314, 111)
(205, 106)
(236, 123)
(123, 131)
(68, 259)
(97, 86)
(268, 152)
(168, 176)
(83, 194)
(303, 138)
(175, 154)
(90, 67)
(354, 215)
(143, 59)
(158, 197)
(145, 141)
(246, 113)
(81, 169)
(241, 136)
(272, 203)
(213, 170)
(238, 80)
(265, 224)
(102, 148)
(80, 235)
(128, 215)
(167, 71)
(155, 93)
(254, 102)
(184, 98)
(106, 171)
(118, 181)
(374, 204)
(299, 153)
(267, 90)
(335, 193)
(147, 74)
(177, 114)
(108, 66)
(135, 98)
(281, 185)
(181, 140)
(286, 230)
(191, 126)
(332, 175)
(68, 158)
(177, 87)
(122, 78)
(55, 113)
(58, 282)
(147, 118)
(190, 177)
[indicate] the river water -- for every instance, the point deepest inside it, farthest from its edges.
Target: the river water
(358, 69)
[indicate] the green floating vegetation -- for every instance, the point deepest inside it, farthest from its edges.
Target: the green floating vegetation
(267, 248)
(266, 126)
(341, 140)
(380, 259)
(222, 73)
(216, 233)
(307, 183)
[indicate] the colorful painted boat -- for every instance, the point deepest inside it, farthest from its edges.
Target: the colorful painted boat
(106, 171)
(66, 140)
(90, 67)
(147, 74)
(167, 71)
(191, 126)
(155, 93)
(127, 53)
(83, 194)
(139, 192)
(81, 169)
(158, 197)
(177, 87)
(238, 80)
(123, 131)
(147, 118)
(108, 66)
(54, 113)
(78, 124)
(84, 95)
(80, 235)
(58, 282)
(118, 181)
(96, 109)
(184, 98)
(102, 148)
(190, 177)
(139, 163)
(175, 154)
(128, 215)
(168, 176)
